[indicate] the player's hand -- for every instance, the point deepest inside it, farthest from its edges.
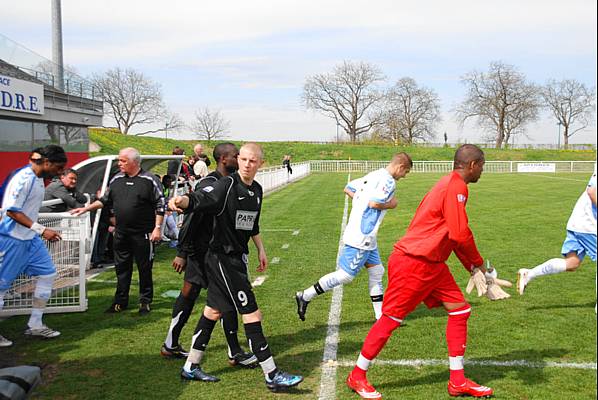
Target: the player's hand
(263, 262)
(179, 264)
(51, 235)
(492, 274)
(392, 203)
(156, 235)
(178, 203)
(78, 211)
(477, 280)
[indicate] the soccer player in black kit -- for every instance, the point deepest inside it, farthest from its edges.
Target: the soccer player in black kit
(236, 202)
(194, 237)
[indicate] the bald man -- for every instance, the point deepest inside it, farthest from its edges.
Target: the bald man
(417, 272)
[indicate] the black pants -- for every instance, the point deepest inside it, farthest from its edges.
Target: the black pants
(126, 248)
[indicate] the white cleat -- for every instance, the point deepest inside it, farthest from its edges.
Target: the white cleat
(42, 332)
(4, 342)
(522, 279)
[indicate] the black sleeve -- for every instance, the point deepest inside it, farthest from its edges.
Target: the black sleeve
(106, 199)
(80, 197)
(210, 199)
(158, 195)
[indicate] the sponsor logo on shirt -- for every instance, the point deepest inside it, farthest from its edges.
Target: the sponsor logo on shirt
(130, 183)
(245, 220)
(208, 189)
(461, 198)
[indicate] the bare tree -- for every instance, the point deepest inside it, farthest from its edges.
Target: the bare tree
(209, 124)
(500, 100)
(132, 99)
(411, 113)
(572, 104)
(348, 94)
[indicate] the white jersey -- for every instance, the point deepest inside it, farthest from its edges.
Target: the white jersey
(583, 217)
(24, 193)
(364, 221)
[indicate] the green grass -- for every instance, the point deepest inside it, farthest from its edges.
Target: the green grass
(111, 142)
(518, 221)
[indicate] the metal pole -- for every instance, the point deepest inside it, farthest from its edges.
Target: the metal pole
(559, 138)
(57, 58)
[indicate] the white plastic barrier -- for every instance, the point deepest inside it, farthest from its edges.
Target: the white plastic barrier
(276, 177)
(447, 166)
(70, 256)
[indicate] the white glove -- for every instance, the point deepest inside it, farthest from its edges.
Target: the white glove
(477, 280)
(495, 292)
(492, 273)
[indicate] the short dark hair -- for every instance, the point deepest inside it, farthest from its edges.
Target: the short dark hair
(402, 158)
(53, 153)
(70, 171)
(222, 149)
(465, 154)
(177, 151)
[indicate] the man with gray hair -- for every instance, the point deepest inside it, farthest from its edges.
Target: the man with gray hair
(137, 201)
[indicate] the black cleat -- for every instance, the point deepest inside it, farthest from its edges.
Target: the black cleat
(243, 359)
(301, 305)
(283, 381)
(173, 352)
(144, 308)
(197, 374)
(115, 308)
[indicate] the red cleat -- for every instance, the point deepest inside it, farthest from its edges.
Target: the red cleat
(469, 388)
(362, 388)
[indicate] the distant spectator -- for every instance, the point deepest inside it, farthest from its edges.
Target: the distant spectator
(286, 163)
(200, 168)
(173, 165)
(65, 189)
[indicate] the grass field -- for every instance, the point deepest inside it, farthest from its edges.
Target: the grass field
(518, 221)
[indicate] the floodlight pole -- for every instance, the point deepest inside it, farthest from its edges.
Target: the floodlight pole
(57, 58)
(559, 137)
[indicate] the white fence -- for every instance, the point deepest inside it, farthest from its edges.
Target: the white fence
(276, 177)
(447, 166)
(70, 256)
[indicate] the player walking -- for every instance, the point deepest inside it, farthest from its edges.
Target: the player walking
(21, 247)
(580, 240)
(372, 195)
(236, 202)
(194, 237)
(417, 272)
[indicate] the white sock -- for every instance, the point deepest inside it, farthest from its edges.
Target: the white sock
(309, 293)
(376, 289)
(552, 266)
(327, 283)
(35, 320)
(195, 356)
(363, 362)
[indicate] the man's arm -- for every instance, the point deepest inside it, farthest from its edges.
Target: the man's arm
(261, 252)
(96, 205)
(22, 219)
(390, 204)
(60, 192)
(349, 192)
(592, 194)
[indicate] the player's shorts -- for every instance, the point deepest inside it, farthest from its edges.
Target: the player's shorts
(229, 288)
(29, 257)
(195, 270)
(580, 243)
(352, 259)
(412, 281)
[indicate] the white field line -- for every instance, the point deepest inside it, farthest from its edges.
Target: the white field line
(328, 378)
(558, 177)
(482, 363)
(285, 246)
(259, 280)
(279, 230)
(275, 260)
(296, 232)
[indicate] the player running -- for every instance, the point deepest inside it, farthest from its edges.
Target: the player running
(372, 195)
(236, 202)
(580, 240)
(194, 237)
(417, 272)
(22, 250)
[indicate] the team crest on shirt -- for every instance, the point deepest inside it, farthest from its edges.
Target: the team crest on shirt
(208, 189)
(250, 192)
(461, 198)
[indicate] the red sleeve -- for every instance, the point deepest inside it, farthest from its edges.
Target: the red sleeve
(458, 225)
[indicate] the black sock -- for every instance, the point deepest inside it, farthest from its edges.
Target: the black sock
(230, 325)
(183, 306)
(203, 332)
(257, 341)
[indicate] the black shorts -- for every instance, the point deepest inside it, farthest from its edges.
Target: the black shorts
(229, 288)
(195, 270)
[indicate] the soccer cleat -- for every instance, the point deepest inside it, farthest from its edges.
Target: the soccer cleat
(362, 388)
(469, 388)
(144, 308)
(42, 332)
(522, 279)
(197, 374)
(301, 305)
(173, 352)
(243, 359)
(115, 308)
(4, 342)
(283, 381)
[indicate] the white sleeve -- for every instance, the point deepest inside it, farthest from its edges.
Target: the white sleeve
(17, 192)
(384, 190)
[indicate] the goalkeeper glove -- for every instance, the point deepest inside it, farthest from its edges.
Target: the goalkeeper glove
(492, 273)
(495, 292)
(477, 280)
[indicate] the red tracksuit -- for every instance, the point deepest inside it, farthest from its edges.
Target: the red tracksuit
(417, 270)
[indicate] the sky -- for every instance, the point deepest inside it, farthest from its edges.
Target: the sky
(250, 59)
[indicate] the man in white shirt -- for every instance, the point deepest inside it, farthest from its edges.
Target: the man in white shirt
(580, 240)
(202, 162)
(372, 195)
